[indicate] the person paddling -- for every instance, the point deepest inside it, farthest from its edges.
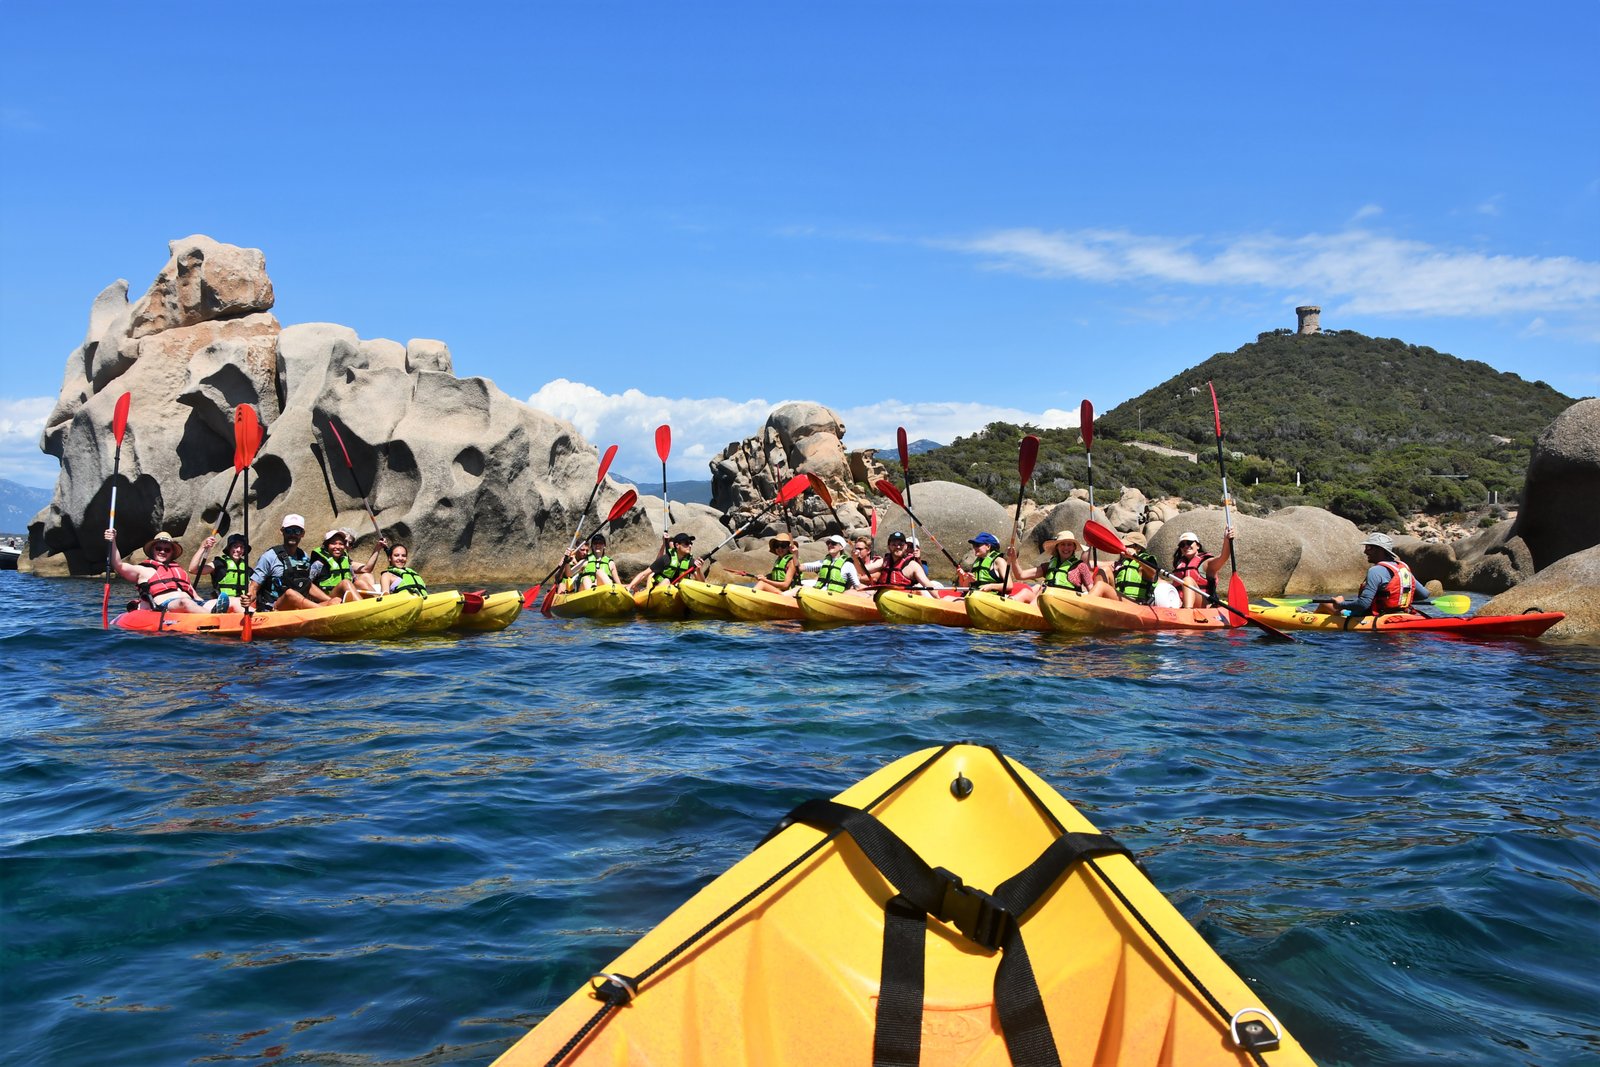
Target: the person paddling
(1388, 588)
(1062, 568)
(675, 563)
(230, 572)
(785, 570)
(1191, 563)
(399, 577)
(163, 585)
(282, 578)
(1134, 576)
(989, 570)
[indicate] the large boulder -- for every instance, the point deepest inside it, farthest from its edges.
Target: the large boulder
(953, 514)
(1560, 511)
(1570, 585)
(1269, 552)
(1490, 561)
(1331, 559)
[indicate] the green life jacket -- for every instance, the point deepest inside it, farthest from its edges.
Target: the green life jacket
(410, 581)
(984, 570)
(830, 575)
(1131, 582)
(675, 567)
(1056, 571)
(334, 570)
(780, 569)
(231, 576)
(592, 567)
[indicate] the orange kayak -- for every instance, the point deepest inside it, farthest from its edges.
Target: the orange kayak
(1076, 613)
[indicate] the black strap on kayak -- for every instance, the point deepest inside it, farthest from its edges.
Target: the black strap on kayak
(991, 921)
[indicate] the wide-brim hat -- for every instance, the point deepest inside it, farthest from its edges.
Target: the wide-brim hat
(1134, 537)
(1380, 541)
(783, 539)
(1064, 535)
(236, 539)
(163, 538)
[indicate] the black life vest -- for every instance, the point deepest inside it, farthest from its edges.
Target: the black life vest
(294, 572)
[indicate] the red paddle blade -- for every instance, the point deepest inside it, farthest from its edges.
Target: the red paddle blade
(340, 442)
(1238, 600)
(105, 608)
(248, 625)
(530, 598)
(874, 522)
(1216, 411)
(623, 505)
(1027, 456)
(819, 487)
(905, 454)
(1086, 424)
(793, 488)
(549, 598)
(663, 442)
(119, 417)
(605, 464)
(246, 436)
(1102, 538)
(886, 487)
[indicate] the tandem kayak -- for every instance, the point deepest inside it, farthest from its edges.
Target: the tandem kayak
(991, 611)
(898, 606)
(373, 619)
(704, 600)
(822, 606)
(1012, 921)
(495, 611)
(1531, 624)
(1077, 613)
(758, 605)
(602, 602)
(439, 612)
(660, 601)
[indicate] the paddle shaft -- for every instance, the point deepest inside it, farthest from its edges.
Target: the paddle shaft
(327, 482)
(356, 478)
(1222, 469)
(119, 426)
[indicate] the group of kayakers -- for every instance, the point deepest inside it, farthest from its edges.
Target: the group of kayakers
(284, 577)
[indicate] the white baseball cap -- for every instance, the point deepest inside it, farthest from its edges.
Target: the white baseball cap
(835, 539)
(293, 520)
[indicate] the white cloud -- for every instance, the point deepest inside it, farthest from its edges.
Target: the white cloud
(1366, 211)
(1370, 272)
(703, 427)
(21, 423)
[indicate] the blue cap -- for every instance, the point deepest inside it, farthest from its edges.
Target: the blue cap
(985, 539)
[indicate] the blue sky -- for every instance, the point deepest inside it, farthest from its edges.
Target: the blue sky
(929, 215)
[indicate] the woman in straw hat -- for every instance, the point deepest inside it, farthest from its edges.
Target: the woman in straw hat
(785, 566)
(1062, 568)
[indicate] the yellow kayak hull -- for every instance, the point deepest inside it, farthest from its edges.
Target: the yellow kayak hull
(1072, 612)
(660, 601)
(375, 619)
(991, 611)
(704, 600)
(909, 608)
(792, 977)
(758, 605)
(821, 606)
(439, 612)
(499, 610)
(601, 602)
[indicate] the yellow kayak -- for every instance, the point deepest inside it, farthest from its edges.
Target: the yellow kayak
(821, 606)
(373, 619)
(991, 611)
(498, 611)
(704, 600)
(1073, 612)
(601, 602)
(439, 612)
(898, 606)
(758, 605)
(660, 601)
(782, 959)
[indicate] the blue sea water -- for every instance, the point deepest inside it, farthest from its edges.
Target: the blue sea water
(408, 852)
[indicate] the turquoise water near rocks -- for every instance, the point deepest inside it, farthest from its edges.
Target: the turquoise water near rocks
(408, 852)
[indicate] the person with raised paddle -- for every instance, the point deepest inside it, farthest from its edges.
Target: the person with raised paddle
(989, 570)
(230, 572)
(897, 568)
(163, 585)
(1191, 563)
(336, 574)
(1133, 577)
(785, 572)
(399, 577)
(674, 564)
(281, 580)
(119, 426)
(1062, 568)
(1388, 588)
(531, 597)
(591, 566)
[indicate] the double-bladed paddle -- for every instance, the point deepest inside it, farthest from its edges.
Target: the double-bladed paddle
(905, 462)
(327, 482)
(531, 597)
(1447, 604)
(886, 487)
(1027, 456)
(624, 504)
(246, 442)
(1237, 597)
(820, 487)
(339, 440)
(1102, 538)
(663, 448)
(790, 489)
(119, 426)
(1086, 428)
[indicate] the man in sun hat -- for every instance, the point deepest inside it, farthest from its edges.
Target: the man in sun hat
(282, 578)
(785, 572)
(1388, 588)
(163, 585)
(989, 570)
(1062, 568)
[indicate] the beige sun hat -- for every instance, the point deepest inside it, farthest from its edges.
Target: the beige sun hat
(163, 538)
(780, 539)
(1061, 535)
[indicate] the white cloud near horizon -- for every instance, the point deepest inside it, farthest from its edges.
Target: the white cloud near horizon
(21, 423)
(703, 426)
(1357, 271)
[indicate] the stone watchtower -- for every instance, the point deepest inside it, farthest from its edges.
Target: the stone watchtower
(1310, 318)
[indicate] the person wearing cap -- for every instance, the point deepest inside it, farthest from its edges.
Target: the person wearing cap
(163, 585)
(989, 570)
(675, 563)
(867, 561)
(282, 578)
(898, 568)
(1197, 570)
(836, 572)
(230, 572)
(1388, 588)
(335, 574)
(1062, 568)
(399, 577)
(590, 566)
(1134, 576)
(785, 572)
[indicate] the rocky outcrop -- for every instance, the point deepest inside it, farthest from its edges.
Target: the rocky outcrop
(480, 485)
(1570, 585)
(1269, 552)
(1560, 511)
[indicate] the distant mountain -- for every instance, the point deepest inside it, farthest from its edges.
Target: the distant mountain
(19, 504)
(1368, 427)
(918, 447)
(691, 492)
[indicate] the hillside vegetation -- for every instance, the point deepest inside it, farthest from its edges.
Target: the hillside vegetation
(1375, 428)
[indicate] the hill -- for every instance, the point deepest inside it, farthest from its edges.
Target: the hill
(1373, 427)
(19, 504)
(686, 492)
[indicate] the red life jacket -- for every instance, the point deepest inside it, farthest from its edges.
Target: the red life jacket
(168, 578)
(898, 578)
(1396, 594)
(1192, 570)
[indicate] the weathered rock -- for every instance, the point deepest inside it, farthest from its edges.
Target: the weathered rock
(1127, 513)
(1491, 561)
(1269, 552)
(797, 438)
(1070, 514)
(423, 354)
(202, 282)
(953, 513)
(1570, 585)
(1560, 511)
(1331, 559)
(1428, 560)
